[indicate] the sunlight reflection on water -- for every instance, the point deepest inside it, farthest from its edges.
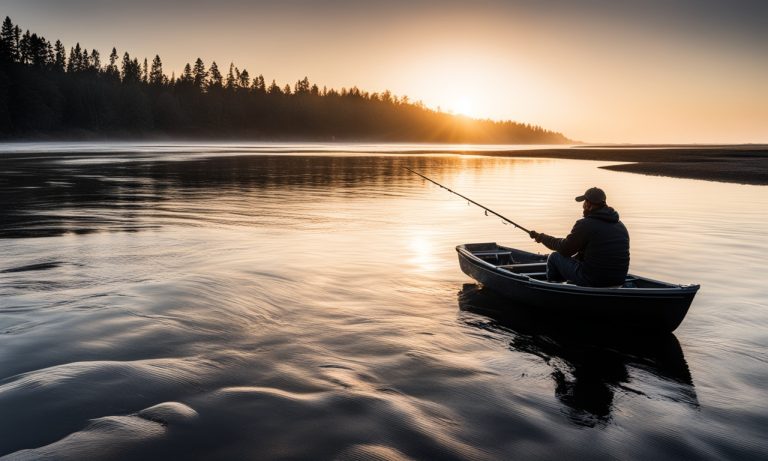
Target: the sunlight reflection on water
(312, 306)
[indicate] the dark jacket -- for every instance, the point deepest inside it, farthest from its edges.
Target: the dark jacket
(601, 242)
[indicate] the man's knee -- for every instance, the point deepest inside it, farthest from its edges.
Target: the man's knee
(554, 267)
(556, 259)
(554, 256)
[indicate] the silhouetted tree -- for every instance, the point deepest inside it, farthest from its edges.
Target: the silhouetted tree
(17, 39)
(38, 50)
(60, 59)
(230, 85)
(302, 86)
(145, 72)
(258, 85)
(156, 76)
(243, 79)
(111, 70)
(274, 89)
(186, 77)
(131, 71)
(25, 48)
(74, 60)
(215, 78)
(95, 60)
(199, 75)
(9, 51)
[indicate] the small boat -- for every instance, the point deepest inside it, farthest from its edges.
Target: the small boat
(520, 276)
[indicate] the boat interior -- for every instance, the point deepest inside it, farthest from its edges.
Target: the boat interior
(535, 267)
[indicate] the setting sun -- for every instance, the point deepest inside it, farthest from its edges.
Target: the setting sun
(464, 106)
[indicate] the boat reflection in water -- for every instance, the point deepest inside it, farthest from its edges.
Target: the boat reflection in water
(588, 367)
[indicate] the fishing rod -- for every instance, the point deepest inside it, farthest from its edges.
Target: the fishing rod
(487, 210)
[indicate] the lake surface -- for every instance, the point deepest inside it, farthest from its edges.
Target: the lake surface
(294, 302)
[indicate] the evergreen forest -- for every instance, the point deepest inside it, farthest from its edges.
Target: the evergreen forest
(49, 92)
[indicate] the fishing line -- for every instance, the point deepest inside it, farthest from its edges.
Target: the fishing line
(487, 210)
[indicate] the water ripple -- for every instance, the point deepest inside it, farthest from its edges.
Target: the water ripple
(230, 302)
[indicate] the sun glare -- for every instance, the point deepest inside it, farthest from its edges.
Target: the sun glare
(422, 252)
(461, 82)
(463, 106)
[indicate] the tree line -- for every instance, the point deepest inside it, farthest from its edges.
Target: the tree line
(47, 92)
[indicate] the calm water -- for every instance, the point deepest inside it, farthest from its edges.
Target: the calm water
(287, 302)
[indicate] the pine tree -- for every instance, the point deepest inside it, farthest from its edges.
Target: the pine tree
(96, 60)
(274, 89)
(50, 58)
(9, 52)
(38, 51)
(72, 61)
(199, 75)
(302, 86)
(131, 71)
(82, 60)
(17, 42)
(135, 70)
(145, 72)
(75, 59)
(25, 49)
(156, 76)
(244, 80)
(112, 66)
(231, 77)
(186, 76)
(258, 84)
(215, 78)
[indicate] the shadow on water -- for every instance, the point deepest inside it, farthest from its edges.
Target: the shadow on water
(589, 367)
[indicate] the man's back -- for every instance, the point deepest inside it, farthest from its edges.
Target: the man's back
(602, 243)
(606, 252)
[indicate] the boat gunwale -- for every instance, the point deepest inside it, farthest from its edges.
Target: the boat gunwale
(671, 290)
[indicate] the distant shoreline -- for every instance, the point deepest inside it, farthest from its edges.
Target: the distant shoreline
(742, 164)
(738, 163)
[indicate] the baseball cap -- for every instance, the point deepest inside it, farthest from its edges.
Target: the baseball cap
(593, 194)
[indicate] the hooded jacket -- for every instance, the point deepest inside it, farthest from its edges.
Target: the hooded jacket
(601, 242)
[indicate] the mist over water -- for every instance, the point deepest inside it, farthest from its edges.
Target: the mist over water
(288, 302)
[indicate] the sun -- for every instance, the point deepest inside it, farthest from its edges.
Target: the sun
(463, 105)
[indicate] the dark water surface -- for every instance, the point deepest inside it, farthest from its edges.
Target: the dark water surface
(225, 302)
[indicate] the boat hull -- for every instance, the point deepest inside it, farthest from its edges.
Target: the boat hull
(659, 309)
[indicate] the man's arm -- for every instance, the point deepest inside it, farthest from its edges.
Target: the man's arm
(569, 245)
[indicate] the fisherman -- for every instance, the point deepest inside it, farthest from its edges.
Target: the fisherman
(600, 242)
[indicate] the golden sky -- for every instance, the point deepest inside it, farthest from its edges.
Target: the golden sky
(688, 71)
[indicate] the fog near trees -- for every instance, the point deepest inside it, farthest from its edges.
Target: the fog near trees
(48, 92)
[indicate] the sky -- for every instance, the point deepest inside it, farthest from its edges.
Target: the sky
(598, 71)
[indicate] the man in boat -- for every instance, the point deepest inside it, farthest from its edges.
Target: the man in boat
(599, 241)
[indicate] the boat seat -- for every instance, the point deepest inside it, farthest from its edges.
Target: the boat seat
(524, 268)
(492, 253)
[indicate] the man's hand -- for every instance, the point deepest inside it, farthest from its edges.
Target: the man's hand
(534, 235)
